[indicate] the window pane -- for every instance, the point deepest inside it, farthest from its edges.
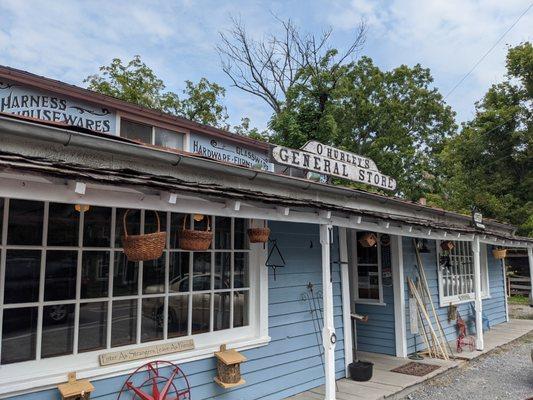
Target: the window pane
(1, 217)
(133, 223)
(136, 131)
(58, 330)
(241, 304)
(19, 334)
(178, 311)
(93, 323)
(366, 255)
(124, 323)
(176, 226)
(125, 276)
(179, 272)
(223, 270)
(63, 225)
(97, 227)
(25, 222)
(150, 221)
(222, 311)
(200, 312)
(94, 274)
(201, 278)
(368, 281)
(170, 139)
(154, 276)
(23, 269)
(60, 275)
(153, 315)
(223, 233)
(241, 278)
(241, 236)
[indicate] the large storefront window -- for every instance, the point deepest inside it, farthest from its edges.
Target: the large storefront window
(69, 289)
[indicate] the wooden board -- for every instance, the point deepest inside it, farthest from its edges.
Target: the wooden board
(146, 352)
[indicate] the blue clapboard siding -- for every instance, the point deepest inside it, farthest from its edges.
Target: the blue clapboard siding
(290, 363)
(493, 308)
(377, 335)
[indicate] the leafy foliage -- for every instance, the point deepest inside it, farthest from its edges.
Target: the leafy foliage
(137, 83)
(489, 165)
(394, 117)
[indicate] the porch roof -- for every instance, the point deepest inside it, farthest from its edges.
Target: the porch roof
(303, 194)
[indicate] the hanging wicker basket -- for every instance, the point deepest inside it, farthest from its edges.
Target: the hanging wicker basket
(499, 254)
(148, 246)
(259, 235)
(447, 245)
(194, 240)
(368, 240)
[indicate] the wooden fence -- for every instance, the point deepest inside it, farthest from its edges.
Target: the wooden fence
(519, 284)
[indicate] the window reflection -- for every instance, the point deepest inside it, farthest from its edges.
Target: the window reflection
(221, 312)
(241, 237)
(178, 312)
(222, 233)
(94, 274)
(19, 334)
(153, 317)
(25, 222)
(58, 330)
(241, 306)
(23, 269)
(201, 271)
(124, 323)
(97, 227)
(63, 225)
(92, 332)
(201, 312)
(125, 276)
(60, 275)
(241, 278)
(179, 272)
(223, 270)
(154, 276)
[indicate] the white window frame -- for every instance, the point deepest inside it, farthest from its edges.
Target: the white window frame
(445, 301)
(27, 376)
(355, 273)
(153, 132)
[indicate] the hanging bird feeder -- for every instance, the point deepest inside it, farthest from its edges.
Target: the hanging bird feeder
(229, 368)
(75, 389)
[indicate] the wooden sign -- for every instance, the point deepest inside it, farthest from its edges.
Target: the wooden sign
(340, 155)
(146, 352)
(353, 169)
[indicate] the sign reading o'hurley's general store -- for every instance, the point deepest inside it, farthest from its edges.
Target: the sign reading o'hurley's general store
(328, 160)
(28, 102)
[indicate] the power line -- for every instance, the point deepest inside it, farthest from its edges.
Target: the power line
(488, 52)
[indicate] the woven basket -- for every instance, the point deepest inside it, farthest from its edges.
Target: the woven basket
(143, 247)
(259, 235)
(191, 239)
(499, 254)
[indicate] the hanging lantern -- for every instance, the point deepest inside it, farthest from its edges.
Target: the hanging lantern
(368, 240)
(82, 207)
(198, 217)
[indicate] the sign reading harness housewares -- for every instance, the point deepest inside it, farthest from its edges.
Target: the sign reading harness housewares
(328, 160)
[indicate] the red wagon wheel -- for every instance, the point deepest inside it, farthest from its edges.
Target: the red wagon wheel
(157, 380)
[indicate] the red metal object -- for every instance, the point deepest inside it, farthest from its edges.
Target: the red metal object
(157, 380)
(463, 339)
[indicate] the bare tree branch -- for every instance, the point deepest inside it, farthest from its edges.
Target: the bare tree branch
(268, 68)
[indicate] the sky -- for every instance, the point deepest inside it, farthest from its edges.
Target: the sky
(69, 40)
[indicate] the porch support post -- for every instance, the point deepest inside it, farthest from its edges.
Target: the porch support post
(477, 292)
(328, 333)
(346, 307)
(530, 258)
(398, 284)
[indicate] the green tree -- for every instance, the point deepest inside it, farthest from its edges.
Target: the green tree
(394, 117)
(489, 165)
(137, 83)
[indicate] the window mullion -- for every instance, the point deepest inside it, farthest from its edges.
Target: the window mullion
(41, 284)
(111, 277)
(3, 251)
(166, 254)
(140, 284)
(78, 284)
(212, 287)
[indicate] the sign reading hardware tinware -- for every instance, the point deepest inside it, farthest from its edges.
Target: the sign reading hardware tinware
(146, 352)
(328, 160)
(27, 102)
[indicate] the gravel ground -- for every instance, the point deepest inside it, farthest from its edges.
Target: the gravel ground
(520, 311)
(505, 373)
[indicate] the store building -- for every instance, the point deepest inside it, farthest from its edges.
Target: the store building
(72, 162)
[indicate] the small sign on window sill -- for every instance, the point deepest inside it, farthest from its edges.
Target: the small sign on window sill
(146, 352)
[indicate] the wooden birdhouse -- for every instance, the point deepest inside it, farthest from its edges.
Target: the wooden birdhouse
(75, 389)
(229, 368)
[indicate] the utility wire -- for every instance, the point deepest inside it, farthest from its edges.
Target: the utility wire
(488, 52)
